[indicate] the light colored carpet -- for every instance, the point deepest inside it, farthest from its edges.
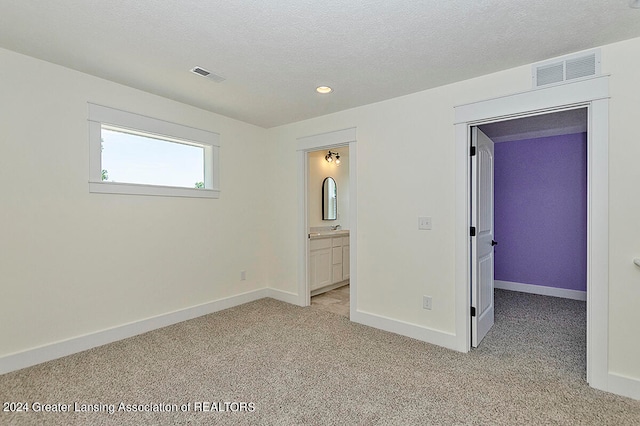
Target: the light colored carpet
(303, 366)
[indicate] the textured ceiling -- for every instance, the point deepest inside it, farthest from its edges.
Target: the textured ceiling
(273, 53)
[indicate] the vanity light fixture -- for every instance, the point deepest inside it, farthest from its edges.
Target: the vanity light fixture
(330, 157)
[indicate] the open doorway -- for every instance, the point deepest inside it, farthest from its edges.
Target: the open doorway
(331, 141)
(589, 93)
(538, 242)
(328, 221)
(540, 203)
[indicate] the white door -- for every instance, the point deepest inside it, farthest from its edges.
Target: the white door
(482, 243)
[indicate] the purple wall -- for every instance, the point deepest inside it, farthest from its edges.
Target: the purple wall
(541, 211)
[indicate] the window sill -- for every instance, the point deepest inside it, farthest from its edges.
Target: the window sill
(153, 190)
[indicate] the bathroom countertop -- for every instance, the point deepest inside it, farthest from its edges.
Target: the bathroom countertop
(328, 234)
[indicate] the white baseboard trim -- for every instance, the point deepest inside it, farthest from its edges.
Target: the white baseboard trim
(27, 358)
(283, 296)
(414, 331)
(625, 386)
(542, 290)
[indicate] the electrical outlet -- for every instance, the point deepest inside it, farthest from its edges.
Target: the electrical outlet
(426, 302)
(424, 222)
(243, 275)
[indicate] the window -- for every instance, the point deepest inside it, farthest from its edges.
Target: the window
(134, 154)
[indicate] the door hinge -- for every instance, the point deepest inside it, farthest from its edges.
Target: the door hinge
(472, 231)
(472, 151)
(473, 311)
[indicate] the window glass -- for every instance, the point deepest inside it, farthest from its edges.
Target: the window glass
(129, 157)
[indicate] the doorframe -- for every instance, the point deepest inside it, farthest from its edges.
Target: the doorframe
(307, 144)
(594, 95)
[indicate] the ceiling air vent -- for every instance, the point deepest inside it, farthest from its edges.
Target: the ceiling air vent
(208, 74)
(566, 69)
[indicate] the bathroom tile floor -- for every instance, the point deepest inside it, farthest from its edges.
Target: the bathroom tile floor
(335, 301)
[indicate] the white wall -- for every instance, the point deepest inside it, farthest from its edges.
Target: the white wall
(319, 169)
(406, 169)
(72, 262)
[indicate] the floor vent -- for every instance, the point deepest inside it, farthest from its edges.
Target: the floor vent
(208, 74)
(566, 69)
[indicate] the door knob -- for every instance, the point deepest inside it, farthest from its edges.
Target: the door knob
(494, 243)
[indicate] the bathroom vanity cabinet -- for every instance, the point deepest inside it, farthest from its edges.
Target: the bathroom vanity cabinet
(328, 261)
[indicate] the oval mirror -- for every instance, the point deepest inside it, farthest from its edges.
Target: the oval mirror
(329, 199)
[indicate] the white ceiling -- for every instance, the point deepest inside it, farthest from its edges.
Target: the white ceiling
(273, 53)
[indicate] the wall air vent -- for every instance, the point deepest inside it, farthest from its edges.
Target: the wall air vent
(566, 69)
(208, 74)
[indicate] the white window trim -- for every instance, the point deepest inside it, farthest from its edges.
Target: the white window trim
(99, 115)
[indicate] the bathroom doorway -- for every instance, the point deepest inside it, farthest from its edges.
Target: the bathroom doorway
(328, 223)
(327, 246)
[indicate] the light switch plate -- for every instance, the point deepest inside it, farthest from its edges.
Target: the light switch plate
(424, 223)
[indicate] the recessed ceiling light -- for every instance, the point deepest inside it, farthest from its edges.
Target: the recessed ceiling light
(324, 89)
